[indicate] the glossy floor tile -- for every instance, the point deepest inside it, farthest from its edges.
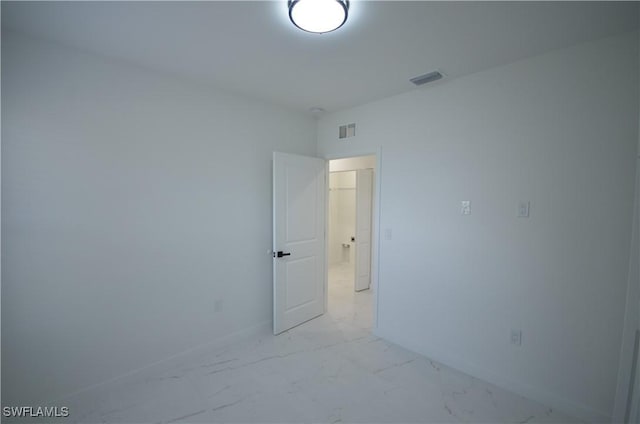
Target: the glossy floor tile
(329, 370)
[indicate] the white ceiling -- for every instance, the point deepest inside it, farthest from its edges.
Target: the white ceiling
(252, 48)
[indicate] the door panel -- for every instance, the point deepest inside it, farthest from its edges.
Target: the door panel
(298, 229)
(364, 191)
(300, 290)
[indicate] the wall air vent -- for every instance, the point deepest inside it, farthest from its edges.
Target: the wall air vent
(346, 131)
(423, 79)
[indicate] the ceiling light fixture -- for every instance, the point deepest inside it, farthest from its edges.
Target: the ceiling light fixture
(318, 16)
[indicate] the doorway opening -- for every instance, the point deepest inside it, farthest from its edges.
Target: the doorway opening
(350, 240)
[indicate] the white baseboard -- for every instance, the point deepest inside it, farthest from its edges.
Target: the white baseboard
(220, 342)
(577, 410)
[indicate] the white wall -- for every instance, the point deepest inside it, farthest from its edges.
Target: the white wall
(131, 203)
(559, 130)
(342, 216)
(632, 309)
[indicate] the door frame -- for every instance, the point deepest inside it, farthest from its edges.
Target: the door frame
(375, 226)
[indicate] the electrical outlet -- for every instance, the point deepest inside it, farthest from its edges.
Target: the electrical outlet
(218, 305)
(387, 234)
(465, 207)
(516, 337)
(523, 209)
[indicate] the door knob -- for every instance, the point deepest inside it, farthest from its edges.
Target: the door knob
(280, 254)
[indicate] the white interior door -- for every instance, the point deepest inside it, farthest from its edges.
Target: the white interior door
(364, 190)
(299, 189)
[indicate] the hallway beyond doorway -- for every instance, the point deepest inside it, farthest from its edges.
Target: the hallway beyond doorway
(345, 304)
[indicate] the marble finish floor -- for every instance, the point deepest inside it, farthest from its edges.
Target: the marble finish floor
(328, 370)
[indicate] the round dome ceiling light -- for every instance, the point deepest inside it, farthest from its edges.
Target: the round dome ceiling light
(318, 16)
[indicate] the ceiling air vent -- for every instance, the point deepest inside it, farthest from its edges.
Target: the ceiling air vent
(423, 79)
(346, 131)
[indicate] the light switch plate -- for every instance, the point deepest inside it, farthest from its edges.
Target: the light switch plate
(523, 209)
(516, 337)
